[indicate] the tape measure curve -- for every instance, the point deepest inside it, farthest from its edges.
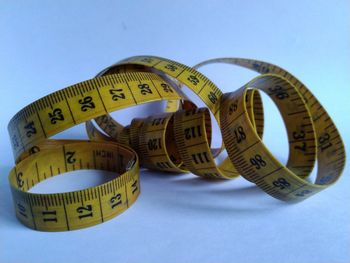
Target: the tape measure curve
(175, 141)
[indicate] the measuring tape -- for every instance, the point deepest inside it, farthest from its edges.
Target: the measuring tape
(178, 140)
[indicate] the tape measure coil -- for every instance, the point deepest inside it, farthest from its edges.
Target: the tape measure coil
(311, 133)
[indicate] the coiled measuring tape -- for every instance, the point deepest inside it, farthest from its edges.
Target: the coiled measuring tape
(178, 140)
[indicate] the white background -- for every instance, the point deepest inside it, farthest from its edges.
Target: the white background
(47, 45)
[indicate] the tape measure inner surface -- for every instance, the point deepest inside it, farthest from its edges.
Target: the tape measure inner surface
(73, 210)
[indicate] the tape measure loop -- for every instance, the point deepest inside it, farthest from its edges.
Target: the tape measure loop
(78, 209)
(178, 140)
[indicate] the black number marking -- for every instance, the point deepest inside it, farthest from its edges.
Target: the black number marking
(117, 94)
(239, 134)
(279, 92)
(49, 216)
(193, 132)
(19, 180)
(56, 115)
(233, 107)
(70, 157)
(170, 67)
(22, 210)
(260, 68)
(200, 158)
(281, 183)
(257, 161)
(134, 187)
(324, 141)
(154, 144)
(300, 135)
(147, 60)
(109, 125)
(193, 79)
(84, 211)
(86, 103)
(115, 200)
(30, 129)
(212, 97)
(166, 88)
(145, 89)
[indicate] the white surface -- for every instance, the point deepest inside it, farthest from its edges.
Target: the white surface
(47, 46)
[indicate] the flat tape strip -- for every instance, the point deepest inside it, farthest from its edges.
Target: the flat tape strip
(178, 140)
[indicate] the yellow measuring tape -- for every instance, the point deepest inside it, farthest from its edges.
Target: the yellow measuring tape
(178, 140)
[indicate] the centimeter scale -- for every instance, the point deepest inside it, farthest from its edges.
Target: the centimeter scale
(178, 140)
